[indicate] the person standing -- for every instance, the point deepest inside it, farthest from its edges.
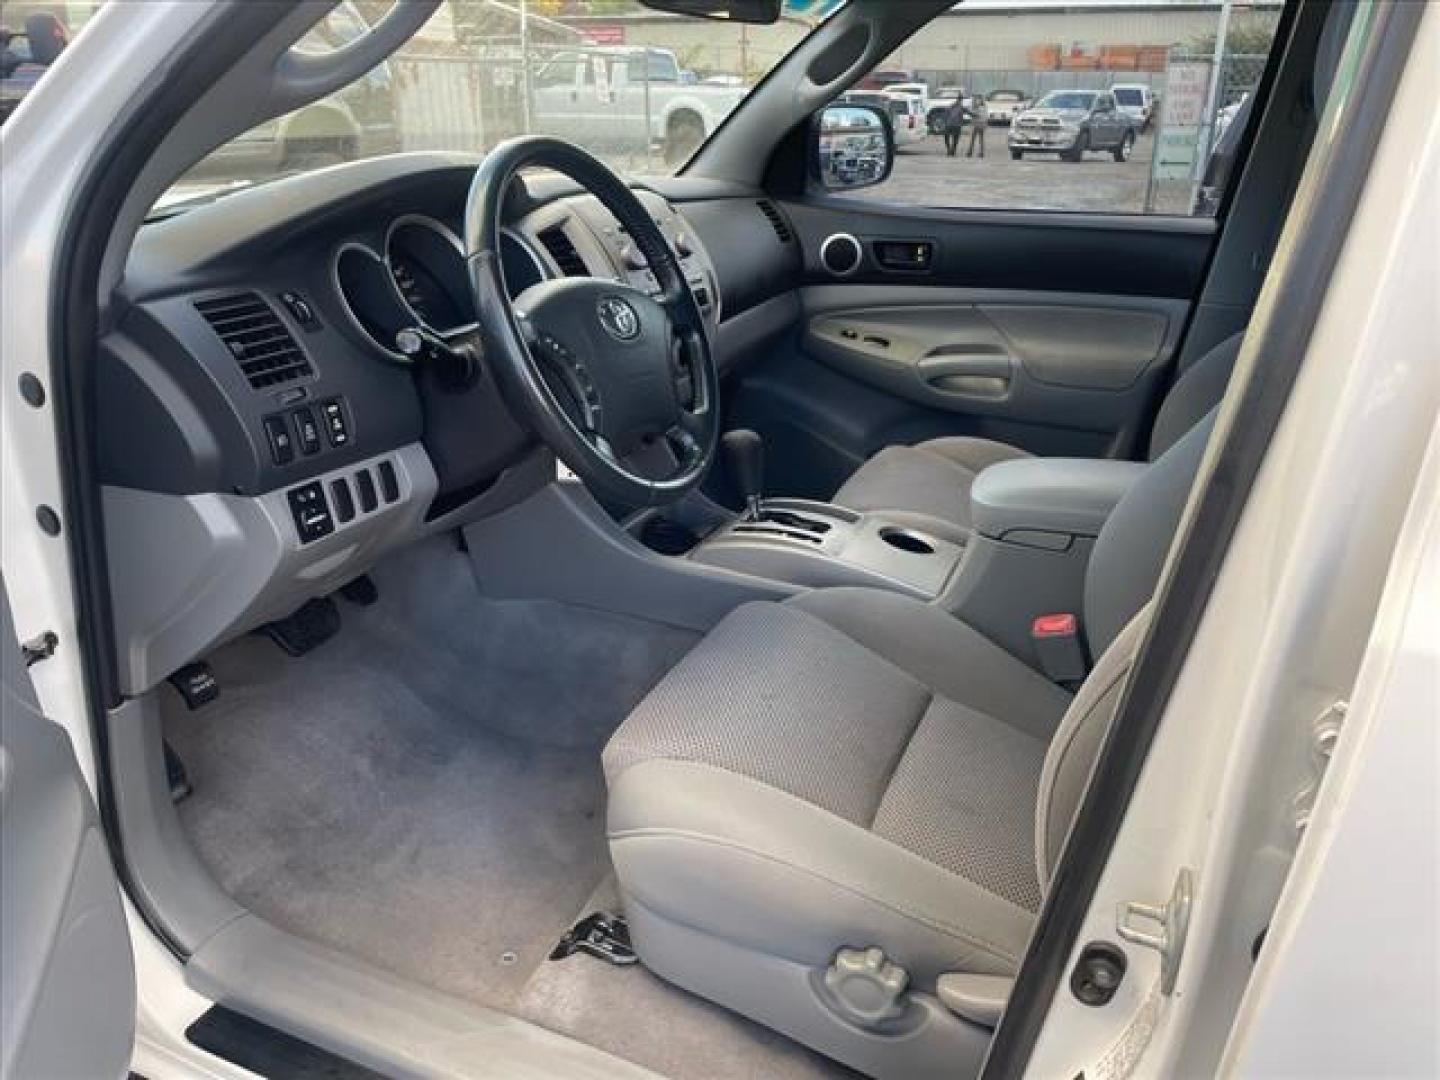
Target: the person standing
(954, 123)
(979, 121)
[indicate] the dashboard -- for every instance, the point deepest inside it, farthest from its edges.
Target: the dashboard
(261, 438)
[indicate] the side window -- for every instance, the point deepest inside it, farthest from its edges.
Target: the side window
(1071, 107)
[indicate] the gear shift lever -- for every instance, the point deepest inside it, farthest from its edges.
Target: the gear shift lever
(745, 455)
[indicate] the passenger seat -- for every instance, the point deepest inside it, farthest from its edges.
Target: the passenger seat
(928, 485)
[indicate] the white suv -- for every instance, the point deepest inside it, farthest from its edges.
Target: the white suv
(1135, 100)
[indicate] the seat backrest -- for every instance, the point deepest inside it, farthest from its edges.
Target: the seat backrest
(1198, 390)
(1119, 584)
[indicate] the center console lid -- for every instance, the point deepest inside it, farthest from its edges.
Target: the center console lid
(1043, 502)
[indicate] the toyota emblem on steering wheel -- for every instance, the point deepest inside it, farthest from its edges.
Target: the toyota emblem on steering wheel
(620, 320)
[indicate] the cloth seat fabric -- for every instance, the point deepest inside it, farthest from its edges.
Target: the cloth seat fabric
(854, 768)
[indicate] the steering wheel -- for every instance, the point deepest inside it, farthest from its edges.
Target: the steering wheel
(597, 368)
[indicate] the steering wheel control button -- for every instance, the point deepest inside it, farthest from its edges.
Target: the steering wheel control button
(282, 443)
(309, 433)
(335, 421)
(311, 512)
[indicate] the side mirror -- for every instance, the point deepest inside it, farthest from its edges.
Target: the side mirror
(851, 146)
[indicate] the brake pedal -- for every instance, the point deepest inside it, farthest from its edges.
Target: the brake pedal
(599, 934)
(313, 624)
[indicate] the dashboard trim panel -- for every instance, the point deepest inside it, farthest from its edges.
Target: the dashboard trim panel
(192, 572)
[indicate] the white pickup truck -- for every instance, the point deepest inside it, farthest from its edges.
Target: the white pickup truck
(602, 97)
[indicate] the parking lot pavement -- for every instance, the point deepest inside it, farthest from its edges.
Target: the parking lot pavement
(924, 176)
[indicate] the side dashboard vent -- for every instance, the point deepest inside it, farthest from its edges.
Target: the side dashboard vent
(256, 337)
(777, 222)
(563, 252)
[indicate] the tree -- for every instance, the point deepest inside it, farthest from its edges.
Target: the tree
(1246, 37)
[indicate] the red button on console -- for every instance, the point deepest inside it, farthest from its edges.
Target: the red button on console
(1060, 625)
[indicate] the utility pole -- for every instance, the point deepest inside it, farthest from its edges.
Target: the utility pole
(1212, 98)
(525, 65)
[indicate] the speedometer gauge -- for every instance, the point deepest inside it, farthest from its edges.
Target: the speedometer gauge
(428, 268)
(409, 287)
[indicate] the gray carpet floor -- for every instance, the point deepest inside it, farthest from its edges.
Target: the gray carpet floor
(424, 791)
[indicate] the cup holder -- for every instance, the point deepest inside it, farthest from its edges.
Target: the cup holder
(906, 540)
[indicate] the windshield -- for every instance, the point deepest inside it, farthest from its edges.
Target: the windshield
(1067, 99)
(1129, 95)
(640, 89)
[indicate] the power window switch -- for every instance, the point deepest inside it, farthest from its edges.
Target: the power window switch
(282, 443)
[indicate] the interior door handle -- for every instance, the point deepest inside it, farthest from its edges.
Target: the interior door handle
(990, 364)
(982, 373)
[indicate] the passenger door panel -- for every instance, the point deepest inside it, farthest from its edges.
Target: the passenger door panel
(1051, 331)
(1018, 356)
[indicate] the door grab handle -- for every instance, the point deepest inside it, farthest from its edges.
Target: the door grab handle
(983, 364)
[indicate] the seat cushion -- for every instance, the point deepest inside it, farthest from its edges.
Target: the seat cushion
(793, 790)
(928, 485)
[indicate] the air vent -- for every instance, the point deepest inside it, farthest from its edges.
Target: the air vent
(778, 223)
(256, 337)
(563, 252)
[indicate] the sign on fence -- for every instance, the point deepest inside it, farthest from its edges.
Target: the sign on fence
(1175, 153)
(1186, 87)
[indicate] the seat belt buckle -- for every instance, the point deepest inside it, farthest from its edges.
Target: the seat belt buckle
(1057, 644)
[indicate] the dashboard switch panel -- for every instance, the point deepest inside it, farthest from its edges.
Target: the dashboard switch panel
(282, 443)
(366, 483)
(389, 482)
(311, 512)
(336, 421)
(300, 308)
(343, 500)
(306, 429)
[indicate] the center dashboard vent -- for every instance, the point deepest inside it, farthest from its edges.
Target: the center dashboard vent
(777, 222)
(562, 250)
(264, 349)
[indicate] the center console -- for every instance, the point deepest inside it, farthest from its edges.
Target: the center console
(1035, 523)
(815, 544)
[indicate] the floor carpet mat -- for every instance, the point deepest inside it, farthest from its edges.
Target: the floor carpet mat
(423, 791)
